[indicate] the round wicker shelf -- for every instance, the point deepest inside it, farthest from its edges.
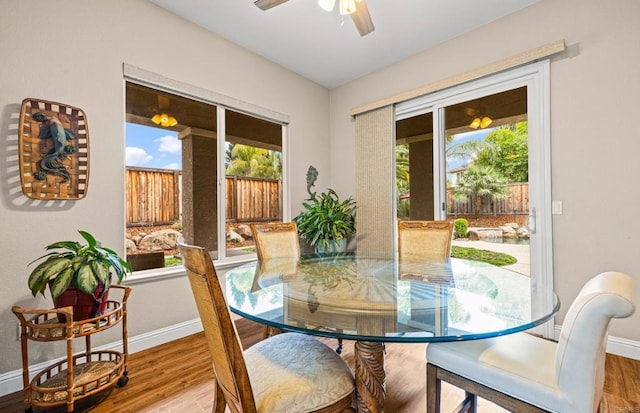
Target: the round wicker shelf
(88, 378)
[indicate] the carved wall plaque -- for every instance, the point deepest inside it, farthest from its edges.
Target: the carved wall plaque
(54, 150)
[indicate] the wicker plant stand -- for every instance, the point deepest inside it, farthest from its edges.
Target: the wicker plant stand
(90, 372)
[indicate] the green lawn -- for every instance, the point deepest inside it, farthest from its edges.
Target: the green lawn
(467, 253)
(474, 254)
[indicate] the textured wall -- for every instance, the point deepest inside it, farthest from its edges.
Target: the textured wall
(72, 51)
(594, 138)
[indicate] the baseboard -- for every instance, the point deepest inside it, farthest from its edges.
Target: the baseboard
(11, 382)
(615, 345)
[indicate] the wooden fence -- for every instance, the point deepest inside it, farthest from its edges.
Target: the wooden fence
(154, 197)
(253, 199)
(516, 203)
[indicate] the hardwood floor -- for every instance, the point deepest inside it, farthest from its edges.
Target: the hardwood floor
(177, 378)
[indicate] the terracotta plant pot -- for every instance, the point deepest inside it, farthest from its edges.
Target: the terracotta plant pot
(84, 305)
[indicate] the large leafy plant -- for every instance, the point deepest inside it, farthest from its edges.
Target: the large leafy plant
(84, 266)
(326, 218)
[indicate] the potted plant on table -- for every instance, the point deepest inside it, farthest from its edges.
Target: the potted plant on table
(327, 222)
(78, 275)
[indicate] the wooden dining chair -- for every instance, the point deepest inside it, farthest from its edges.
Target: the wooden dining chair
(285, 373)
(276, 240)
(524, 373)
(430, 240)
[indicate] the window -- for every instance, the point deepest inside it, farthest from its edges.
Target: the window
(253, 169)
(197, 169)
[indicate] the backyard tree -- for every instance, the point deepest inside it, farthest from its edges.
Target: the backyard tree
(245, 160)
(402, 168)
(508, 152)
(467, 150)
(480, 181)
(402, 179)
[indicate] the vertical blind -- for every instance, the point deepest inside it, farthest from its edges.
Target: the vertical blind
(375, 143)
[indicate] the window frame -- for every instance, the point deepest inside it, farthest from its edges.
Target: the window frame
(152, 80)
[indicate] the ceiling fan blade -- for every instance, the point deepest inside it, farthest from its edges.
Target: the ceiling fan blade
(267, 4)
(362, 19)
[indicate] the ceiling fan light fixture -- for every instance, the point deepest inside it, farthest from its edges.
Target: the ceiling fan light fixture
(347, 6)
(327, 5)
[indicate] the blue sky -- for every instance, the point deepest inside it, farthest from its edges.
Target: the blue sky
(477, 135)
(152, 147)
(160, 148)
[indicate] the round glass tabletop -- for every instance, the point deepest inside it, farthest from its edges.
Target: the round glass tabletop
(378, 298)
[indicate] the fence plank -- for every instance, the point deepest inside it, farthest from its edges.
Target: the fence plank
(154, 197)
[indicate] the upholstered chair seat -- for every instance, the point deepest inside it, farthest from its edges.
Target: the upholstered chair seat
(293, 372)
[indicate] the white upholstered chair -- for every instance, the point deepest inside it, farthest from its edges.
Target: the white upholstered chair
(524, 373)
(286, 373)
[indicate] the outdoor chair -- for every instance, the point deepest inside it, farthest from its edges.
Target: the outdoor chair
(524, 373)
(428, 240)
(285, 373)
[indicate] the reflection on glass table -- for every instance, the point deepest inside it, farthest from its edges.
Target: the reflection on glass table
(375, 299)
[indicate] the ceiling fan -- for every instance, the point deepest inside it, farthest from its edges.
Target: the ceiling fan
(356, 8)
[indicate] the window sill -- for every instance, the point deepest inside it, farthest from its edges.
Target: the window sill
(156, 274)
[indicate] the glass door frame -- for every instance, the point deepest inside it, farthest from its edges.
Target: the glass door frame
(535, 77)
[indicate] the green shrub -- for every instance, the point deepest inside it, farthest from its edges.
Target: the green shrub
(460, 227)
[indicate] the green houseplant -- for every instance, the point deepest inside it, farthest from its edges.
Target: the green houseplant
(326, 221)
(73, 270)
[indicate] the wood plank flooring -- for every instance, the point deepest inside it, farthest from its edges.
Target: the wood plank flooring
(177, 378)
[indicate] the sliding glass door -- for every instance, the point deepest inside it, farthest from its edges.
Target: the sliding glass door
(479, 152)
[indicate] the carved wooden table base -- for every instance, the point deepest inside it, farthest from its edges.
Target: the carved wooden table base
(370, 376)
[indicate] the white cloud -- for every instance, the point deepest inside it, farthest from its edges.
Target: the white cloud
(169, 144)
(172, 165)
(137, 156)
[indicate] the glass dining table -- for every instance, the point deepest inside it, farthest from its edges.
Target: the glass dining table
(375, 299)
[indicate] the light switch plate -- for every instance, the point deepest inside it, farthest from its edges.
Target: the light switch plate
(556, 207)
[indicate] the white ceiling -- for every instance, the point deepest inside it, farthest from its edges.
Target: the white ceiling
(324, 46)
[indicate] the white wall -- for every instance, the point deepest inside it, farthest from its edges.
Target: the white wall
(72, 51)
(594, 130)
